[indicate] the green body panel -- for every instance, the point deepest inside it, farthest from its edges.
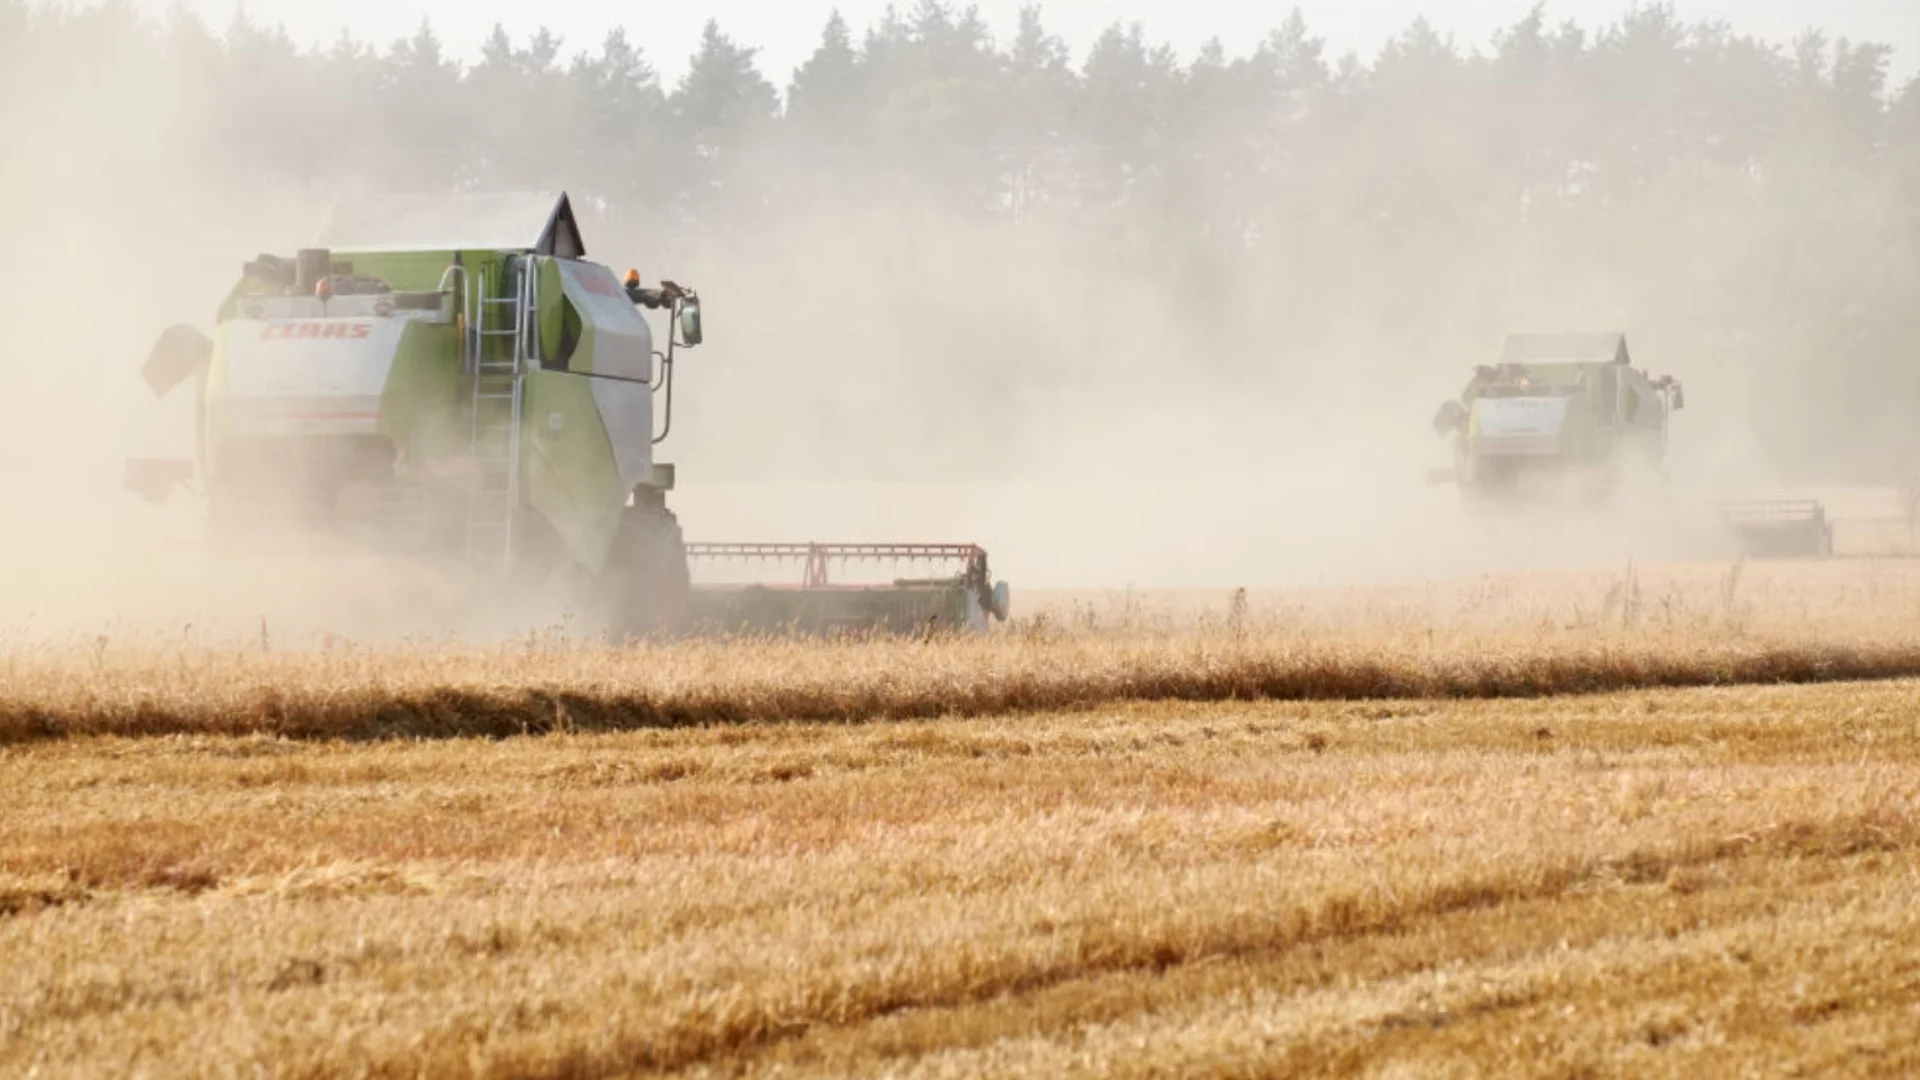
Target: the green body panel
(416, 270)
(424, 407)
(571, 477)
(588, 324)
(553, 310)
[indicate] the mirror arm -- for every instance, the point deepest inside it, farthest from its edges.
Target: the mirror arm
(667, 426)
(666, 379)
(666, 367)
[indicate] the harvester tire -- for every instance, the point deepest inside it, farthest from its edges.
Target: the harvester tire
(648, 584)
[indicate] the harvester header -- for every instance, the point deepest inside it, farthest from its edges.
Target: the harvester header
(965, 595)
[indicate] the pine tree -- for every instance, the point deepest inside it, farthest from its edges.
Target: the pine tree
(420, 102)
(1037, 115)
(826, 95)
(723, 109)
(619, 112)
(346, 82)
(1731, 196)
(14, 27)
(1128, 96)
(723, 99)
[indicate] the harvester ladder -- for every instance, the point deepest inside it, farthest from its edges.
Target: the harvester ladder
(499, 351)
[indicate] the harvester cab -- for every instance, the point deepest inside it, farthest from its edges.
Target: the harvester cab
(451, 378)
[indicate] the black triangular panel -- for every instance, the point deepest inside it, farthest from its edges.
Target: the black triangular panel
(561, 237)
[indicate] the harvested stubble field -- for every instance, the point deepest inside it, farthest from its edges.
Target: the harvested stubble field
(1064, 850)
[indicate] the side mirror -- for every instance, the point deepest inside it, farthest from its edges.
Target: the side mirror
(1452, 414)
(1679, 398)
(690, 323)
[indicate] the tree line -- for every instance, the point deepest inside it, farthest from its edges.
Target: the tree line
(1269, 218)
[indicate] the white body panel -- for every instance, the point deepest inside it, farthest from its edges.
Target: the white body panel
(308, 376)
(1527, 426)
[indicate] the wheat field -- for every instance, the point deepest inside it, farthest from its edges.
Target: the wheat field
(1489, 637)
(1638, 823)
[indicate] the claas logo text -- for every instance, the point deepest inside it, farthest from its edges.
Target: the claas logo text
(284, 330)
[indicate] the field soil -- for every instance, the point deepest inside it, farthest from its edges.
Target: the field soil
(1698, 882)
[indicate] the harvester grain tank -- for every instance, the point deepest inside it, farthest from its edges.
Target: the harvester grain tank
(451, 378)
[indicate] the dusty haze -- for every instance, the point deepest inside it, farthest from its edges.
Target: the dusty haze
(1122, 319)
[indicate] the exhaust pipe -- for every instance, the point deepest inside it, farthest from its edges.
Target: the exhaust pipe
(311, 266)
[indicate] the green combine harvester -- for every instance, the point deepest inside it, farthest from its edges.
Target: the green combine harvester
(1568, 418)
(1558, 414)
(449, 378)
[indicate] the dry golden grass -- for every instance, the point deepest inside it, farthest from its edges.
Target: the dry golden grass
(448, 693)
(1490, 637)
(1703, 882)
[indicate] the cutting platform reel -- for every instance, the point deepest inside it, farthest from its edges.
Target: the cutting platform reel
(1778, 528)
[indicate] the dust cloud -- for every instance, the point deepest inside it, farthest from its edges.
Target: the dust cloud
(1235, 389)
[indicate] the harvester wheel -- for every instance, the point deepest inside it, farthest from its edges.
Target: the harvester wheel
(647, 583)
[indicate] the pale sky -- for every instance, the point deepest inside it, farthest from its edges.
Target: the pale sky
(786, 30)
